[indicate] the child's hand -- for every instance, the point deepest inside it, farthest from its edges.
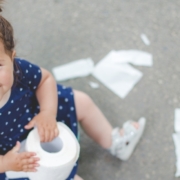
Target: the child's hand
(25, 161)
(46, 124)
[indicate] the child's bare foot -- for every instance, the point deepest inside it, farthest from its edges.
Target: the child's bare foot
(125, 140)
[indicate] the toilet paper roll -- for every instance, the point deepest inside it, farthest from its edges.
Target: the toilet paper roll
(57, 158)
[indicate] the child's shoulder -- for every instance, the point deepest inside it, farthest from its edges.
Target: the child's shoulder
(27, 72)
(22, 62)
(25, 65)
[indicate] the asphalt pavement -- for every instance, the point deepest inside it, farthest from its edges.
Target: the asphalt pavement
(51, 33)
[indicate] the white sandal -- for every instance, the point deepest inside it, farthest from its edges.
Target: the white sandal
(122, 146)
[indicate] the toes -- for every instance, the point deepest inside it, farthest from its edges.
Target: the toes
(136, 125)
(121, 132)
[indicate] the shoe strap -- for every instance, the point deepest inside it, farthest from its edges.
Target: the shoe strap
(117, 141)
(120, 141)
(129, 130)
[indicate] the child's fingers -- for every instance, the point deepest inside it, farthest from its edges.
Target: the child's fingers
(51, 135)
(46, 135)
(30, 168)
(41, 133)
(29, 161)
(29, 165)
(26, 155)
(27, 158)
(56, 132)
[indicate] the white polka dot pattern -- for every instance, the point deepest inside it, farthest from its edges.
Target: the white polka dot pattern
(22, 107)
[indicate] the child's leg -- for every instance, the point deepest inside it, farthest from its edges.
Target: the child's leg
(93, 121)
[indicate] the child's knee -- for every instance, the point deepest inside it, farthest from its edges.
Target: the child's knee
(83, 99)
(83, 103)
(77, 178)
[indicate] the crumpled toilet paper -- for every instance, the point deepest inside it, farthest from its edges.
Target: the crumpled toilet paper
(57, 158)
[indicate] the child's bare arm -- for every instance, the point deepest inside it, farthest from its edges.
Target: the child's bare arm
(15, 161)
(2, 170)
(47, 93)
(48, 99)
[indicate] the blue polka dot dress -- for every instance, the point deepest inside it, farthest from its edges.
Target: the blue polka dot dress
(22, 106)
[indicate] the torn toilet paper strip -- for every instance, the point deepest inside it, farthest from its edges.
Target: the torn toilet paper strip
(135, 57)
(94, 85)
(177, 120)
(145, 39)
(73, 69)
(176, 138)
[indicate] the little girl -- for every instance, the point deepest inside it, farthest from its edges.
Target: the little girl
(29, 96)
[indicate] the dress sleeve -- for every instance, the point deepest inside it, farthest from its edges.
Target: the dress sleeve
(29, 73)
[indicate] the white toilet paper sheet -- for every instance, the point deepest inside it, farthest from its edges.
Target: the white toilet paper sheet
(58, 158)
(94, 85)
(176, 138)
(73, 69)
(177, 120)
(120, 81)
(135, 57)
(115, 72)
(119, 78)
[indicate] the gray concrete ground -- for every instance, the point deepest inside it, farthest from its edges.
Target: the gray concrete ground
(55, 32)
